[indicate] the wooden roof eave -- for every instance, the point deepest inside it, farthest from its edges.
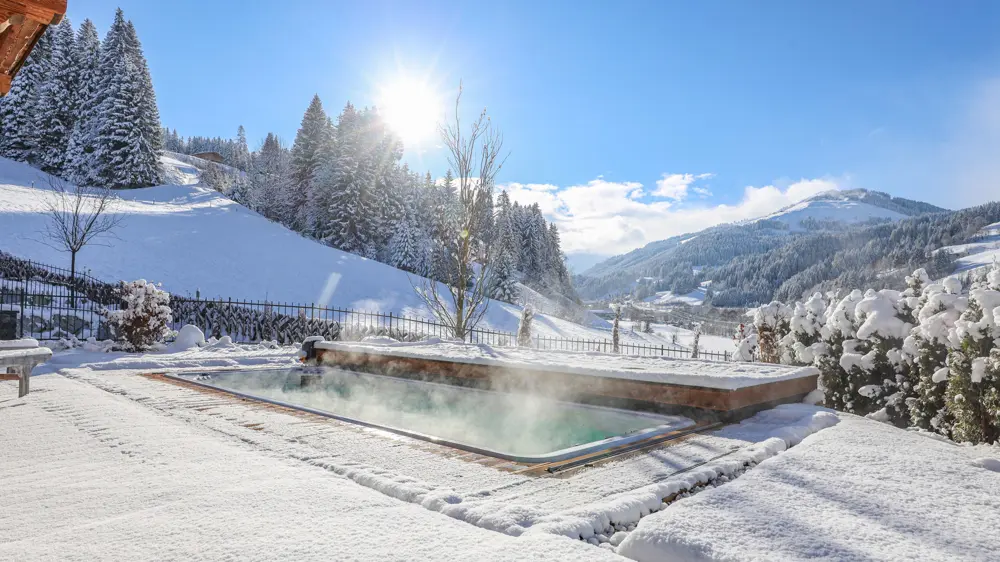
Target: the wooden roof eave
(22, 22)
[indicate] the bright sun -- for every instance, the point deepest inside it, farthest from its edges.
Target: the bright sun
(411, 108)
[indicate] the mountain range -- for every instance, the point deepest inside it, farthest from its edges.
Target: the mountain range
(830, 238)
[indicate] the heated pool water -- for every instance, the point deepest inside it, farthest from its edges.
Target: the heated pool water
(515, 426)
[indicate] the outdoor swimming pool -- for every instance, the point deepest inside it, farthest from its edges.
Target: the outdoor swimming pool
(511, 426)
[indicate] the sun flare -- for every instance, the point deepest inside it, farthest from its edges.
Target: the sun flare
(411, 108)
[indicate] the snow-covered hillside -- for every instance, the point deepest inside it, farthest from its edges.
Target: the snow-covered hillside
(981, 252)
(193, 240)
(831, 207)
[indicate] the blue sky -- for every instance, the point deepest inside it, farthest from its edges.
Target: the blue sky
(735, 108)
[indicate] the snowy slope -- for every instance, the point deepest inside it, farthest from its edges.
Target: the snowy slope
(831, 206)
(983, 251)
(194, 240)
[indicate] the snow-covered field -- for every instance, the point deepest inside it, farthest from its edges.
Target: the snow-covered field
(193, 240)
(101, 463)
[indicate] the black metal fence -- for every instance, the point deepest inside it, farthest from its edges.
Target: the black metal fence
(53, 306)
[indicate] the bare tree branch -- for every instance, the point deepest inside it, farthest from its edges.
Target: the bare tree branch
(475, 158)
(79, 215)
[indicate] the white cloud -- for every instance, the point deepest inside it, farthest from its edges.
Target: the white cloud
(675, 186)
(607, 217)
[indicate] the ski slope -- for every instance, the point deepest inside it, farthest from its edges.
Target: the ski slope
(981, 252)
(195, 241)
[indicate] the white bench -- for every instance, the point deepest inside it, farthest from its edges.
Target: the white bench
(18, 358)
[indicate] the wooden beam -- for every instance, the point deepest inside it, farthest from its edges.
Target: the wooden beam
(43, 11)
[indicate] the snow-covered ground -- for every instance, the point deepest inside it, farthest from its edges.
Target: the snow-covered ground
(101, 463)
(857, 491)
(193, 240)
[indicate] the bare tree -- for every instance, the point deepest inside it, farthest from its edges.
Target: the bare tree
(78, 216)
(475, 158)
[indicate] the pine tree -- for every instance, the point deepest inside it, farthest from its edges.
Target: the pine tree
(128, 141)
(57, 99)
(310, 149)
(19, 134)
(840, 329)
(929, 345)
(504, 270)
(405, 247)
(80, 164)
(974, 383)
(241, 152)
(799, 346)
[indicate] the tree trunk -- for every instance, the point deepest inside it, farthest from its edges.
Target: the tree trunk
(72, 278)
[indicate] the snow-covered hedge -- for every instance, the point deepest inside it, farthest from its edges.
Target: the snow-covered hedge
(926, 356)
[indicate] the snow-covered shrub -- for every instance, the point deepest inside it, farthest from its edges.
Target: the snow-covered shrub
(837, 335)
(973, 392)
(524, 327)
(696, 343)
(928, 347)
(801, 344)
(145, 319)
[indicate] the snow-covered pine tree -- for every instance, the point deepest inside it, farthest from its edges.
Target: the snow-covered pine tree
(128, 141)
(800, 345)
(504, 270)
(406, 250)
(312, 142)
(241, 151)
(265, 189)
(79, 166)
(838, 337)
(974, 381)
(148, 154)
(345, 181)
(57, 101)
(940, 306)
(877, 370)
(524, 326)
(19, 110)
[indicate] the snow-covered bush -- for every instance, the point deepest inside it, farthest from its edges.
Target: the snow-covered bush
(973, 392)
(928, 345)
(801, 344)
(145, 319)
(927, 356)
(837, 337)
(524, 328)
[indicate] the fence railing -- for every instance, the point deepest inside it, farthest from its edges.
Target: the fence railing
(53, 307)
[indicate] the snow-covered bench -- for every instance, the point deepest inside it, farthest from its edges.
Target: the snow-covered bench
(18, 358)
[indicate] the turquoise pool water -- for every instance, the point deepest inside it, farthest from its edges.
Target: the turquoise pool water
(509, 425)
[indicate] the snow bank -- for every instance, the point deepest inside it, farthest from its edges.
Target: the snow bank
(861, 490)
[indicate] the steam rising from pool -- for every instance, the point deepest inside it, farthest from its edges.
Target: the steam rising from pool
(511, 423)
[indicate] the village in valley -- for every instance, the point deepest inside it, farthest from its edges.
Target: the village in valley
(369, 335)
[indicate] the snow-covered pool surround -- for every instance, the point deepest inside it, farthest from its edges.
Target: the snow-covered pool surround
(703, 390)
(515, 427)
